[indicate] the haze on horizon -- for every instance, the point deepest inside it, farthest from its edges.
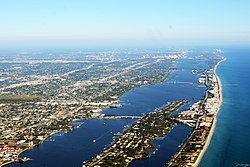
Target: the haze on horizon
(109, 23)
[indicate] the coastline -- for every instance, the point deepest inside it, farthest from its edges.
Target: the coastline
(9, 162)
(210, 135)
(130, 146)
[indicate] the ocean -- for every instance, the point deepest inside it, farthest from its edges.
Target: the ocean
(229, 145)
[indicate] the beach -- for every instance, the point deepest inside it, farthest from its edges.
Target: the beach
(214, 119)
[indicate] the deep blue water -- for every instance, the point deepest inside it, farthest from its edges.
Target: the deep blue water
(76, 146)
(147, 98)
(167, 147)
(230, 143)
(72, 148)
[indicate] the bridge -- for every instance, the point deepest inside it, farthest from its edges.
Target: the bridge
(190, 123)
(120, 117)
(178, 82)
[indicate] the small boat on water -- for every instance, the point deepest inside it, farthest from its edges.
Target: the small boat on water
(194, 71)
(24, 159)
(52, 139)
(118, 134)
(115, 105)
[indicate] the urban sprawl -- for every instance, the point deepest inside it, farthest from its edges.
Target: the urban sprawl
(43, 95)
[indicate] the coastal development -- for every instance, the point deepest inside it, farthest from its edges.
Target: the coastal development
(40, 97)
(202, 117)
(129, 83)
(133, 144)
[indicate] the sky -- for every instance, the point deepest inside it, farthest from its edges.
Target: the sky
(101, 23)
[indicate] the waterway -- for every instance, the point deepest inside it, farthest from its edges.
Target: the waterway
(166, 147)
(74, 147)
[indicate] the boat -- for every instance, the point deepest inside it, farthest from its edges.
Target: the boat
(24, 159)
(194, 71)
(118, 134)
(114, 105)
(51, 139)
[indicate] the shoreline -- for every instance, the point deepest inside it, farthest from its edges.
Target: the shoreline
(211, 132)
(162, 80)
(32, 147)
(120, 153)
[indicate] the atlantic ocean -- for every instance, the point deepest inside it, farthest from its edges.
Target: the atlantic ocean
(230, 145)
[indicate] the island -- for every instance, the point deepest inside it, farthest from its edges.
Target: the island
(135, 141)
(202, 117)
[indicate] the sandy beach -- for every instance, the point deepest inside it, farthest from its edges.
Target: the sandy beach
(214, 121)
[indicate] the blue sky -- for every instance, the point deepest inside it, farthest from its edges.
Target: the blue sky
(123, 22)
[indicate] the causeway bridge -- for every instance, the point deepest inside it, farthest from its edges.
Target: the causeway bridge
(178, 82)
(120, 117)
